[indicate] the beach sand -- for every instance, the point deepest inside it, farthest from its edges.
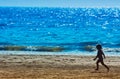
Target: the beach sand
(56, 67)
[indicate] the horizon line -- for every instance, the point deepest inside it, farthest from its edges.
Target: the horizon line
(62, 7)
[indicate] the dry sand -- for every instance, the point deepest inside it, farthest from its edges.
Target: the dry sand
(56, 67)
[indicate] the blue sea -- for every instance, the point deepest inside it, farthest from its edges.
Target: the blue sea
(60, 30)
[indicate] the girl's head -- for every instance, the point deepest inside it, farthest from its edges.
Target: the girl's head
(99, 47)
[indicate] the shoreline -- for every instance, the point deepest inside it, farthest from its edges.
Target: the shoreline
(76, 53)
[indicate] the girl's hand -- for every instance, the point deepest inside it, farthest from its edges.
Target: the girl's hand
(94, 59)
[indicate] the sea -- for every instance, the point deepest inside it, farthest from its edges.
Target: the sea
(63, 31)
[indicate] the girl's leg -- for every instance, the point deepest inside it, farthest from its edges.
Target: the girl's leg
(105, 65)
(97, 64)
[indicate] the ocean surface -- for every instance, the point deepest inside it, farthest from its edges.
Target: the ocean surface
(62, 30)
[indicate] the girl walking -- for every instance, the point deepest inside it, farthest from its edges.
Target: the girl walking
(100, 56)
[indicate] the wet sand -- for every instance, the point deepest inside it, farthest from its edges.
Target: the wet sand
(56, 67)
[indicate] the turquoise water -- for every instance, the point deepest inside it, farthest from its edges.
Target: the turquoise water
(59, 29)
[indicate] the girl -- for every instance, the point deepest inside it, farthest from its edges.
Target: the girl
(100, 56)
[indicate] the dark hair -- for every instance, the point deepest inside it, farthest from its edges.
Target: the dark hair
(99, 46)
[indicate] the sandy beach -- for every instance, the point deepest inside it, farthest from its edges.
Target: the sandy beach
(56, 67)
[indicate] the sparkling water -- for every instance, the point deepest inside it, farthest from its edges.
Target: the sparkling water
(59, 29)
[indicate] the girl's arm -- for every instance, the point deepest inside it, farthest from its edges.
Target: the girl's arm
(96, 57)
(103, 54)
